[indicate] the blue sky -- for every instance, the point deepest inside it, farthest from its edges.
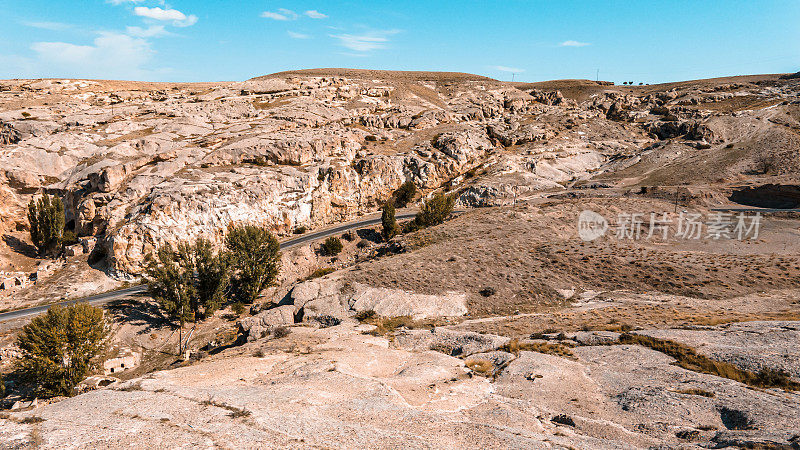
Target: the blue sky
(197, 40)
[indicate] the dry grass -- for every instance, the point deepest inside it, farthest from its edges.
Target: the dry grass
(696, 391)
(388, 325)
(480, 366)
(689, 359)
(515, 346)
(320, 272)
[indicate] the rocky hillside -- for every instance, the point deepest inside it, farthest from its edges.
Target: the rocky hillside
(140, 164)
(499, 328)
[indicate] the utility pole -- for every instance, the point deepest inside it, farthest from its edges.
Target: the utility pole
(512, 76)
(597, 77)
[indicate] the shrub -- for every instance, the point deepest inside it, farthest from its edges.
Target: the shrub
(69, 238)
(332, 246)
(281, 332)
(301, 229)
(46, 217)
(564, 419)
(320, 272)
(253, 256)
(389, 223)
(435, 210)
(405, 193)
(365, 315)
(238, 308)
(487, 292)
(60, 347)
(480, 366)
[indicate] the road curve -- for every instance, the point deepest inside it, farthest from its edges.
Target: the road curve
(106, 297)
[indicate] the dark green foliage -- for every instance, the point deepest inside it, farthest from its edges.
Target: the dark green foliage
(390, 227)
(169, 283)
(320, 272)
(46, 216)
(238, 308)
(332, 246)
(60, 347)
(405, 193)
(211, 278)
(253, 255)
(69, 238)
(2, 386)
(189, 283)
(435, 210)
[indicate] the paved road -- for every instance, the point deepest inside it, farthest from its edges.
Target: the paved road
(106, 297)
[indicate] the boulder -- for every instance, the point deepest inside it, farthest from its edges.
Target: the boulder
(397, 302)
(260, 325)
(73, 250)
(449, 342)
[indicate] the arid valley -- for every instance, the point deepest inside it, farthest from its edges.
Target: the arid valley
(505, 326)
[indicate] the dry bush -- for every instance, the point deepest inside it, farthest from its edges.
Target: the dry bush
(320, 272)
(480, 366)
(281, 332)
(696, 391)
(514, 346)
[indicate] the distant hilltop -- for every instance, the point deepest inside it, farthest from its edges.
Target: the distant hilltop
(394, 75)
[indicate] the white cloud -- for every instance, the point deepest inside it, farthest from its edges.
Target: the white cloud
(574, 44)
(151, 31)
(508, 69)
(273, 15)
(111, 55)
(178, 18)
(54, 26)
(365, 42)
(314, 14)
(281, 14)
(294, 35)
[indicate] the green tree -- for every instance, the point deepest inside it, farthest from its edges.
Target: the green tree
(211, 278)
(435, 210)
(390, 227)
(253, 255)
(169, 282)
(332, 246)
(189, 283)
(46, 217)
(60, 347)
(405, 193)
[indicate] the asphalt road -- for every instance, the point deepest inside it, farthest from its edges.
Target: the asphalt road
(106, 297)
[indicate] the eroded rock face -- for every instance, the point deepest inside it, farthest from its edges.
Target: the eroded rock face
(8, 135)
(139, 165)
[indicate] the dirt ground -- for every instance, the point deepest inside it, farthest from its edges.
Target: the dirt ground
(528, 258)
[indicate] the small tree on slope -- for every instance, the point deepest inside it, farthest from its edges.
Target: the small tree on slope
(46, 217)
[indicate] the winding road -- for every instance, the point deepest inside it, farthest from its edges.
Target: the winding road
(106, 297)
